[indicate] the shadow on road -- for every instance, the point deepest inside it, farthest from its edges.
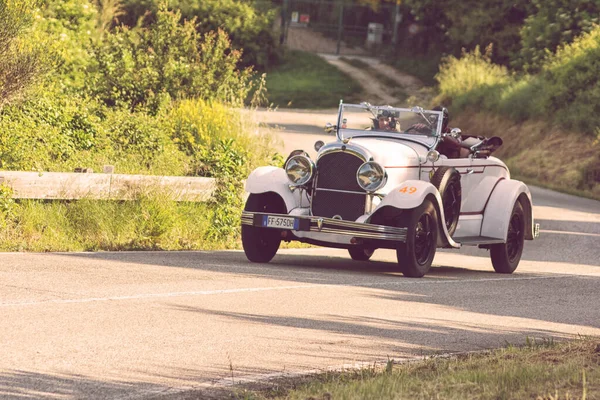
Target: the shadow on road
(554, 298)
(572, 242)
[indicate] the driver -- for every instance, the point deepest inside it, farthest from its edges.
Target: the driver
(386, 121)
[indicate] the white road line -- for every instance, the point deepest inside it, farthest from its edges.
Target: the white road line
(570, 233)
(273, 288)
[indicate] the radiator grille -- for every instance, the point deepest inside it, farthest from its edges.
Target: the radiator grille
(338, 171)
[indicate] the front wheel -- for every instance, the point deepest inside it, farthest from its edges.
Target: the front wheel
(261, 244)
(416, 254)
(360, 253)
(506, 256)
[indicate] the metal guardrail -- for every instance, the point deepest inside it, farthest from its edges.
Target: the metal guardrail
(100, 186)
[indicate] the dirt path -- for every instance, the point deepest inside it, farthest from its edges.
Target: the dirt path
(305, 39)
(376, 90)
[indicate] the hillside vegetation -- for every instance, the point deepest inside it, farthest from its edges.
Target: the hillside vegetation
(527, 72)
(78, 88)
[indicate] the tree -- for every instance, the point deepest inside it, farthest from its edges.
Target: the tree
(554, 23)
(22, 60)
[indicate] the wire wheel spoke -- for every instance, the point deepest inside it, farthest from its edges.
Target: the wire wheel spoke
(423, 238)
(514, 237)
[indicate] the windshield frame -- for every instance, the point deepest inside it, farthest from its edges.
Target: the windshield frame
(395, 135)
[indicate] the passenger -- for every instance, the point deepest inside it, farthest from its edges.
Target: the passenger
(449, 146)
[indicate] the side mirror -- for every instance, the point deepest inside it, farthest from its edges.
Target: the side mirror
(455, 133)
(330, 128)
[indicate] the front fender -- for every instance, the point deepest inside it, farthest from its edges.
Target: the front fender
(273, 179)
(497, 212)
(411, 194)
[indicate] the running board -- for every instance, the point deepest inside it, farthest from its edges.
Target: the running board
(477, 240)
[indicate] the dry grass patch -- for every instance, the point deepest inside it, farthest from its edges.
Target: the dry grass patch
(540, 153)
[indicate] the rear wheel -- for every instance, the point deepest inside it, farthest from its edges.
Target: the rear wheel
(506, 256)
(416, 254)
(447, 181)
(261, 244)
(361, 253)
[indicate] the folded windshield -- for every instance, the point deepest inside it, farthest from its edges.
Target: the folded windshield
(366, 119)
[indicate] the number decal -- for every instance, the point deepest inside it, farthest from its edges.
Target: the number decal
(408, 190)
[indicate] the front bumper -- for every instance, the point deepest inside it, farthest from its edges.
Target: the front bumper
(331, 226)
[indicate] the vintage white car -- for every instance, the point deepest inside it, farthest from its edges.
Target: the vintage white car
(384, 184)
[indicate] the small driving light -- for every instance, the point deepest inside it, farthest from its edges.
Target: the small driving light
(299, 169)
(319, 144)
(433, 156)
(371, 176)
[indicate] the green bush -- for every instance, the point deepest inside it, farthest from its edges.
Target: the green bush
(553, 23)
(248, 24)
(472, 80)
(566, 92)
(145, 68)
(572, 85)
(152, 99)
(453, 25)
(23, 58)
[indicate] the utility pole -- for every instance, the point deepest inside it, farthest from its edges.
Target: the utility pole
(284, 8)
(397, 20)
(340, 27)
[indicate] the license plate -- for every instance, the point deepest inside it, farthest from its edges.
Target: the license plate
(270, 221)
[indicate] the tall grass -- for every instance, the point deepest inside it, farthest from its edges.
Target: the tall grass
(147, 223)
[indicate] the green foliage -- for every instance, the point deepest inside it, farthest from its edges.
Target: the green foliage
(70, 26)
(451, 26)
(571, 83)
(228, 162)
(145, 68)
(22, 55)
(248, 26)
(151, 99)
(496, 24)
(472, 80)
(247, 23)
(552, 24)
(7, 204)
(566, 92)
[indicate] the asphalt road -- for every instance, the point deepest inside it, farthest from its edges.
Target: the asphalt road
(158, 324)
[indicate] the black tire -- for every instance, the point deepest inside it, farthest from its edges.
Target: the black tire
(261, 244)
(506, 256)
(447, 182)
(360, 253)
(416, 254)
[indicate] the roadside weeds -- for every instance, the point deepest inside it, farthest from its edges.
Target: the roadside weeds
(540, 369)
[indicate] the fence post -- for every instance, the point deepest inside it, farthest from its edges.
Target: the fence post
(340, 27)
(284, 8)
(397, 20)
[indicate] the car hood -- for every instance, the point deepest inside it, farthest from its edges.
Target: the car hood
(392, 153)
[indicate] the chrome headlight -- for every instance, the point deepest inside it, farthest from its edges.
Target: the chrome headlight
(371, 176)
(299, 169)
